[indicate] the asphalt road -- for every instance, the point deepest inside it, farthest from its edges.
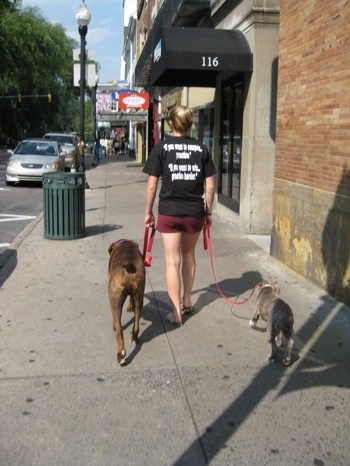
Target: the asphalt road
(19, 206)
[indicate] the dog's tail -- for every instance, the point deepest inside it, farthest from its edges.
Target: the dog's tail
(128, 266)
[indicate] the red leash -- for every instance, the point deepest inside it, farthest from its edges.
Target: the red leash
(147, 246)
(207, 245)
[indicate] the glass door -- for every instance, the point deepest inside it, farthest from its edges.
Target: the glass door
(231, 144)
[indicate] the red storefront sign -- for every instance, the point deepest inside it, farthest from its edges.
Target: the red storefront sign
(133, 100)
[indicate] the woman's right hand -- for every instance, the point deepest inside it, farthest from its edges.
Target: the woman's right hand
(150, 221)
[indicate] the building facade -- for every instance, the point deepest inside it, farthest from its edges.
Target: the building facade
(269, 84)
(209, 55)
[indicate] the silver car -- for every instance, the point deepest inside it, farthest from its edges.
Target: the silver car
(69, 147)
(31, 159)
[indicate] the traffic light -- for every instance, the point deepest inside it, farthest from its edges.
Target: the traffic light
(19, 97)
(49, 97)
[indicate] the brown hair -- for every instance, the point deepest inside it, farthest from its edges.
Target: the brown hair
(181, 118)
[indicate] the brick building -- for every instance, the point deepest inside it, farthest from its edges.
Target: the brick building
(311, 198)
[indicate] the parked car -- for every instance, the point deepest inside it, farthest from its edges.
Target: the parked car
(69, 146)
(31, 159)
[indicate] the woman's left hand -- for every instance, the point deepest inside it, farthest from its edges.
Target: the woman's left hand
(208, 219)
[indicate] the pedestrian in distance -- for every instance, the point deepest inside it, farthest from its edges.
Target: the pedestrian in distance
(97, 152)
(116, 147)
(185, 204)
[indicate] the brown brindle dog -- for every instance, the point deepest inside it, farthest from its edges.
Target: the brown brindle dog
(126, 277)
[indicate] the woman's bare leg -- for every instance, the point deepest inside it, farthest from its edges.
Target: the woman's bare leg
(171, 245)
(188, 246)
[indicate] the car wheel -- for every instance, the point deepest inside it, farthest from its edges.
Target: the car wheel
(10, 183)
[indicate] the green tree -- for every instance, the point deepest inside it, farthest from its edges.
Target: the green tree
(9, 5)
(35, 59)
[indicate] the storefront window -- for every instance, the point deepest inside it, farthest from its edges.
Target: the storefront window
(231, 143)
(206, 119)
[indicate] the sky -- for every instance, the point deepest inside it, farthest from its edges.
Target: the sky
(105, 31)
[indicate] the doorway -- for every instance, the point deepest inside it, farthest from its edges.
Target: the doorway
(229, 179)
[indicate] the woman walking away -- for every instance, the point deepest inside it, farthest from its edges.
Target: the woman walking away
(185, 204)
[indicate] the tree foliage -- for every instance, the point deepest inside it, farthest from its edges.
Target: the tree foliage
(35, 60)
(9, 5)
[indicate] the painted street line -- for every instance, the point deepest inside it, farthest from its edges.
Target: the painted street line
(4, 245)
(14, 218)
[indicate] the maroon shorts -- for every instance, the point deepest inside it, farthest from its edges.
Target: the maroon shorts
(171, 224)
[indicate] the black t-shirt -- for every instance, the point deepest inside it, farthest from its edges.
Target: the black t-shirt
(183, 163)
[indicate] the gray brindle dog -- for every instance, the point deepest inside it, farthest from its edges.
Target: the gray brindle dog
(279, 317)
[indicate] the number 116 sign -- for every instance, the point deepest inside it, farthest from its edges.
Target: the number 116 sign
(210, 62)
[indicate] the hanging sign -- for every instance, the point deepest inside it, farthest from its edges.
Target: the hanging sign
(133, 100)
(103, 102)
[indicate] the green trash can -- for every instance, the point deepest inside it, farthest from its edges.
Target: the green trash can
(64, 205)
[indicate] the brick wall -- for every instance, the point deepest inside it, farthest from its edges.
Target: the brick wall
(313, 125)
(311, 198)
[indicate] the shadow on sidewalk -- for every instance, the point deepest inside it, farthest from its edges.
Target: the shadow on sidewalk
(8, 263)
(151, 313)
(94, 230)
(322, 362)
(234, 289)
(158, 306)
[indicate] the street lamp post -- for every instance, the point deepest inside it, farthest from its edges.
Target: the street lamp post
(94, 117)
(83, 18)
(95, 107)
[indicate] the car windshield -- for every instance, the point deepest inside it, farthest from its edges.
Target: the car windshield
(35, 148)
(60, 138)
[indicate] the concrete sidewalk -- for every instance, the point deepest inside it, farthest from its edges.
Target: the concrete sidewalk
(195, 395)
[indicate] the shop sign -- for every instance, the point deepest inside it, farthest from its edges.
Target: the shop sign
(103, 102)
(133, 100)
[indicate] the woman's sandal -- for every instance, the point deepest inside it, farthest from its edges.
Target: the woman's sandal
(187, 310)
(170, 320)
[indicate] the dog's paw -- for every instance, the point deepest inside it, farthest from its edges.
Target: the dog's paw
(252, 323)
(134, 339)
(271, 358)
(122, 358)
(286, 361)
(278, 340)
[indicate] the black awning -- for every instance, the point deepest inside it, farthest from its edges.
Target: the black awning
(193, 56)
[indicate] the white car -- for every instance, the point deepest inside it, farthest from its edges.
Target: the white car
(31, 159)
